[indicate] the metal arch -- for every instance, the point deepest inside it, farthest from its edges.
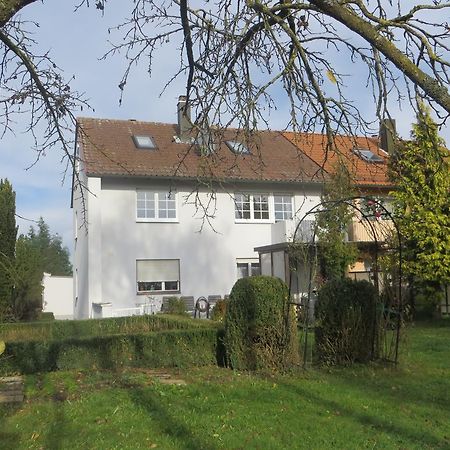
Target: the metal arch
(350, 201)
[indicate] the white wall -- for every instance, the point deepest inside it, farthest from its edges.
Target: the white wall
(57, 296)
(207, 257)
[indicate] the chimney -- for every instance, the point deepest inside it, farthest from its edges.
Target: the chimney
(184, 119)
(388, 135)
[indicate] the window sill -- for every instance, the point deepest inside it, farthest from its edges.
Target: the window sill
(266, 221)
(157, 221)
(158, 292)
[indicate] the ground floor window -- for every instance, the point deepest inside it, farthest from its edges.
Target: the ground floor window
(158, 275)
(247, 267)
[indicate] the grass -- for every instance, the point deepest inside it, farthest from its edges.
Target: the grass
(360, 407)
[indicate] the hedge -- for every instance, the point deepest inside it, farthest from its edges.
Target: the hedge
(66, 329)
(177, 348)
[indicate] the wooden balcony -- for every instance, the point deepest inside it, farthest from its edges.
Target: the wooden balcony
(370, 231)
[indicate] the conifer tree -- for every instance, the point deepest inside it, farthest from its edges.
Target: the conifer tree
(420, 169)
(8, 234)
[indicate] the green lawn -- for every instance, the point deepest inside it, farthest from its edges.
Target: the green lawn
(349, 408)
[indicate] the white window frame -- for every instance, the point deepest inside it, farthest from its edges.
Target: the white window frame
(248, 262)
(283, 194)
(164, 287)
(252, 219)
(156, 197)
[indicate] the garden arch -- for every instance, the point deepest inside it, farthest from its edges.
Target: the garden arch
(390, 302)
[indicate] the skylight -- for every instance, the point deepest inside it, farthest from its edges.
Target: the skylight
(238, 148)
(367, 155)
(143, 142)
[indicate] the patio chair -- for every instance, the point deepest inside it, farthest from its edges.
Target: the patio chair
(189, 303)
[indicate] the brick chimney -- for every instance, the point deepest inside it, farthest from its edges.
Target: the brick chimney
(388, 135)
(184, 119)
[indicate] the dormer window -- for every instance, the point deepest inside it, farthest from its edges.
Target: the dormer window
(238, 148)
(367, 155)
(144, 142)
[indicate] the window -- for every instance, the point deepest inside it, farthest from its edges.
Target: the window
(156, 206)
(158, 275)
(283, 207)
(251, 206)
(238, 148)
(247, 268)
(367, 155)
(145, 142)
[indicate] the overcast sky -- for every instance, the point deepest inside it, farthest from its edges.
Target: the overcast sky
(77, 41)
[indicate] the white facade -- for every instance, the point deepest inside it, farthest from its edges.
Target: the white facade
(57, 296)
(113, 239)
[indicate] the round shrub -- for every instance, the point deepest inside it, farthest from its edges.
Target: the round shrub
(260, 327)
(346, 322)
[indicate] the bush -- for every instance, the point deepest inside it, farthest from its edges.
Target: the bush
(260, 328)
(346, 322)
(219, 310)
(66, 329)
(175, 306)
(177, 348)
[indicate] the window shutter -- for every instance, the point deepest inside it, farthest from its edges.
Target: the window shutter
(158, 270)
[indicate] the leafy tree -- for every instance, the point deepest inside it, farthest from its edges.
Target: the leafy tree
(335, 254)
(422, 207)
(8, 233)
(237, 54)
(54, 258)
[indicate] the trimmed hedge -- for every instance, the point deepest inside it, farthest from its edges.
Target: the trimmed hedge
(66, 329)
(346, 322)
(260, 326)
(177, 348)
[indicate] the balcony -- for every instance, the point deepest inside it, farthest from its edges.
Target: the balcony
(370, 231)
(284, 230)
(359, 231)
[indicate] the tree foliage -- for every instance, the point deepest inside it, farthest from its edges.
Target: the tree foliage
(236, 55)
(8, 233)
(54, 257)
(422, 206)
(335, 253)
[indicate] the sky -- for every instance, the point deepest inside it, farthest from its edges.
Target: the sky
(76, 41)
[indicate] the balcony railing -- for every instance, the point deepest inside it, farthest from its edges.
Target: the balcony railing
(365, 231)
(359, 231)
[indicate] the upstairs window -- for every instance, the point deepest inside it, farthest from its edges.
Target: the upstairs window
(282, 207)
(156, 206)
(145, 142)
(251, 207)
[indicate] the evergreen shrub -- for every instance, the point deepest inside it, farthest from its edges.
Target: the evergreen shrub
(346, 322)
(174, 348)
(260, 326)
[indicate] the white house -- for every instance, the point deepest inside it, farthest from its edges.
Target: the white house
(159, 215)
(57, 296)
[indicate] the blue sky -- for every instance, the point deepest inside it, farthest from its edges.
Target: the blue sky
(77, 41)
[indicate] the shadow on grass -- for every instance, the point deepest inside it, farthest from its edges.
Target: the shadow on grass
(8, 440)
(416, 435)
(414, 392)
(54, 438)
(168, 425)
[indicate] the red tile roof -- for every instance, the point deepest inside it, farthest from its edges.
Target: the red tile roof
(364, 173)
(109, 150)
